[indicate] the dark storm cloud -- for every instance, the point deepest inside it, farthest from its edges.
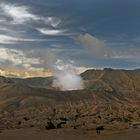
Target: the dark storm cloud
(106, 28)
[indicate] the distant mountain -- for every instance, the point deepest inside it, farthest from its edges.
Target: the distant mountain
(113, 79)
(108, 79)
(5, 80)
(111, 98)
(103, 85)
(44, 82)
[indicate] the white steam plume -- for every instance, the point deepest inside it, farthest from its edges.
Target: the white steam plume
(65, 73)
(66, 77)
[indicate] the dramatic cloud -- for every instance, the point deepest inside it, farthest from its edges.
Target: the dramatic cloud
(5, 39)
(95, 39)
(92, 44)
(51, 32)
(53, 21)
(25, 74)
(21, 14)
(18, 21)
(16, 63)
(127, 53)
(100, 49)
(17, 59)
(25, 63)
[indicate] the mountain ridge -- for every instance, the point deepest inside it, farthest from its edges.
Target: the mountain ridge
(104, 85)
(111, 98)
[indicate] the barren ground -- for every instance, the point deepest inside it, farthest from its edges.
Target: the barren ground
(65, 134)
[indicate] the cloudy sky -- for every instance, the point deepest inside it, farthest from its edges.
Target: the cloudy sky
(90, 33)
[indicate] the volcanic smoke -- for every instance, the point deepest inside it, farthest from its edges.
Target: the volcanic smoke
(64, 71)
(66, 76)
